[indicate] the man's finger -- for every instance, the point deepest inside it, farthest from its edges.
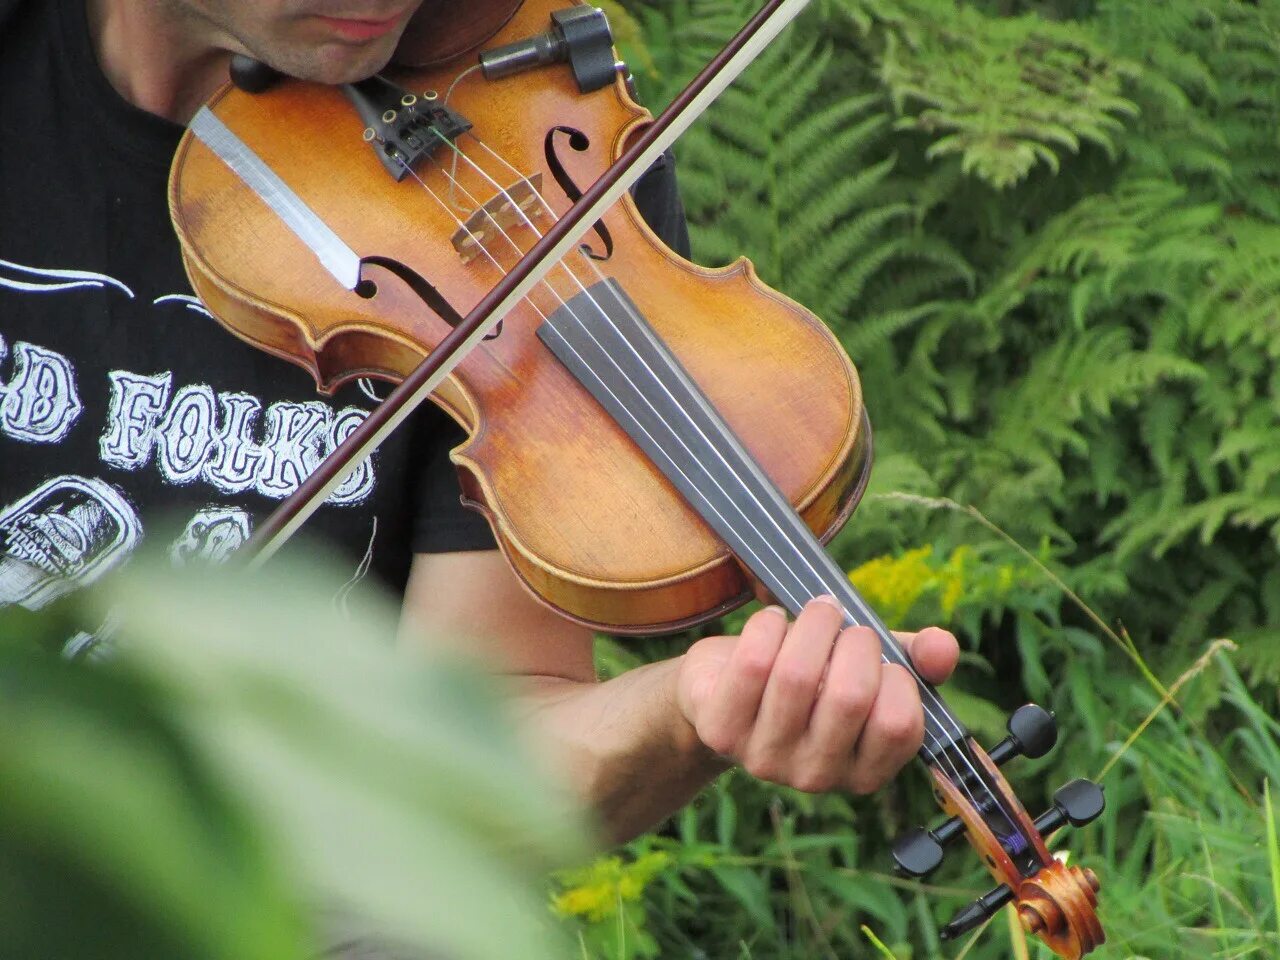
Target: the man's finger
(735, 699)
(793, 685)
(844, 703)
(893, 732)
(933, 651)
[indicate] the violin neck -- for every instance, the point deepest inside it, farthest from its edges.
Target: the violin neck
(605, 342)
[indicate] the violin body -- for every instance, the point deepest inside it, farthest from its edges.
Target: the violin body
(591, 526)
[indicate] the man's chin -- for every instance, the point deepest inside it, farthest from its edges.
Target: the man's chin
(336, 63)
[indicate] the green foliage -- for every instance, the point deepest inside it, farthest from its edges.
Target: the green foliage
(1004, 94)
(1191, 878)
(252, 776)
(1096, 367)
(96, 760)
(1046, 230)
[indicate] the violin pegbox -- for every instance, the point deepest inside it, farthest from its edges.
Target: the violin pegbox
(1055, 902)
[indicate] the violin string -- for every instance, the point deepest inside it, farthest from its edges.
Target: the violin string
(927, 693)
(938, 750)
(563, 303)
(458, 152)
(452, 176)
(594, 267)
(474, 68)
(477, 241)
(456, 185)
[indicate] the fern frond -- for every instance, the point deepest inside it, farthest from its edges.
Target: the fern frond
(1004, 94)
(810, 130)
(814, 258)
(816, 174)
(861, 333)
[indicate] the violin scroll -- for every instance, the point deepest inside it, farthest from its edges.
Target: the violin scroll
(1059, 905)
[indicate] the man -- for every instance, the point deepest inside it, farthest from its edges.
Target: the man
(122, 400)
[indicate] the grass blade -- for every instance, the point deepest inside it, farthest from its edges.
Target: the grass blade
(1273, 849)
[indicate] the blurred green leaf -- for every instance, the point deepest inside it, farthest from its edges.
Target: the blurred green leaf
(252, 774)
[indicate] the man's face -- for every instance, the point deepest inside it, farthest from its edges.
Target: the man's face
(329, 41)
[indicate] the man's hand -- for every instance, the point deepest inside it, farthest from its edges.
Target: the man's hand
(808, 704)
(809, 710)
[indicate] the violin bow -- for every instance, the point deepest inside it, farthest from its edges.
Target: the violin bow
(1054, 902)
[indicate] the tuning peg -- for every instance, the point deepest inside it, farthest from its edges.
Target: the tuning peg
(977, 912)
(1077, 803)
(1032, 733)
(919, 852)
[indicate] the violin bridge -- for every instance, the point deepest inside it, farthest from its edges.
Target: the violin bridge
(517, 206)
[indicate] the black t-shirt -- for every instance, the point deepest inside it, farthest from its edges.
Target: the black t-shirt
(125, 409)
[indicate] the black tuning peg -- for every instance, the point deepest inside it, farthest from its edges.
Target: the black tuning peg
(1077, 803)
(1032, 733)
(977, 912)
(919, 852)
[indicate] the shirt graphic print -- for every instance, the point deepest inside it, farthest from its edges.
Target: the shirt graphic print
(71, 528)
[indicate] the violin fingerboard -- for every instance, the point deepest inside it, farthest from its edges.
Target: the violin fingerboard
(603, 340)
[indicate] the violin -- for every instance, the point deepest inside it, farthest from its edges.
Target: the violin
(652, 442)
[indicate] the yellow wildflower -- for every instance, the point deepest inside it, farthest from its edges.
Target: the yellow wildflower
(603, 885)
(594, 902)
(892, 585)
(1004, 578)
(953, 581)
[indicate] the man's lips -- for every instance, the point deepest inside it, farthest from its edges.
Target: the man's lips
(357, 29)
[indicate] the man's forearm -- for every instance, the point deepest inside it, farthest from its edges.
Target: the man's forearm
(807, 703)
(624, 744)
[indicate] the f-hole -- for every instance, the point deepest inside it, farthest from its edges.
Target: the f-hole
(422, 288)
(579, 142)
